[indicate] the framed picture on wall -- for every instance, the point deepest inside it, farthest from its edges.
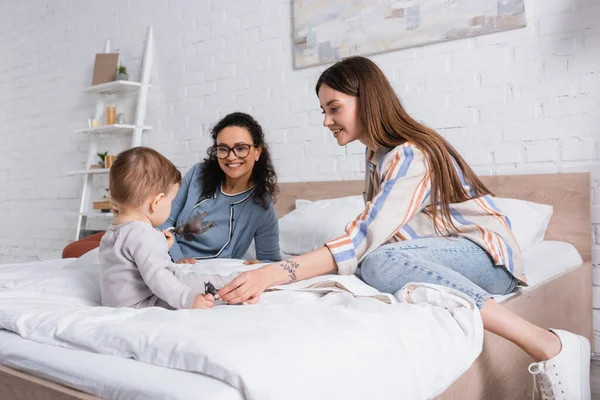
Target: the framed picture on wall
(326, 31)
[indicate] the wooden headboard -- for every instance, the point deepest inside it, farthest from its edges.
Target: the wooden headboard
(569, 194)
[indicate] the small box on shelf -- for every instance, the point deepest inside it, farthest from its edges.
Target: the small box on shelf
(101, 205)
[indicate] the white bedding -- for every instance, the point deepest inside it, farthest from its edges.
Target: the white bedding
(117, 377)
(292, 345)
(544, 261)
(108, 377)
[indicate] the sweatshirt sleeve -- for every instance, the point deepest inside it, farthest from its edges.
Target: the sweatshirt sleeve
(266, 238)
(150, 254)
(403, 192)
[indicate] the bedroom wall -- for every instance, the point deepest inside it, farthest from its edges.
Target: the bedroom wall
(521, 101)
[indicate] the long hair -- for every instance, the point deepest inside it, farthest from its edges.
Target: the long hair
(263, 174)
(388, 125)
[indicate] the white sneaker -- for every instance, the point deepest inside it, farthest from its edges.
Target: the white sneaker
(565, 376)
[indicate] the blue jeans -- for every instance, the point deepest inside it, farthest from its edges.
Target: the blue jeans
(453, 262)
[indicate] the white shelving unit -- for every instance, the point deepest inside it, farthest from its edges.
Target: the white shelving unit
(98, 214)
(115, 128)
(90, 171)
(113, 87)
(136, 130)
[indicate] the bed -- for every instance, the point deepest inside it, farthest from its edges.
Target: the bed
(563, 300)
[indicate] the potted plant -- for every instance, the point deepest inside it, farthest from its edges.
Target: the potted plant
(102, 156)
(122, 73)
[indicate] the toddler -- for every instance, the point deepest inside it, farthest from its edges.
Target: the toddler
(133, 254)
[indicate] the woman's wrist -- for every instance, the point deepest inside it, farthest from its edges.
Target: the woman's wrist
(274, 275)
(317, 262)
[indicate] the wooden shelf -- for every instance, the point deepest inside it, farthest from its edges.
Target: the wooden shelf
(116, 128)
(90, 171)
(113, 87)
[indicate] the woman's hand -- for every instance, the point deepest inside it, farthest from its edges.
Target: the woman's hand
(246, 288)
(170, 237)
(188, 260)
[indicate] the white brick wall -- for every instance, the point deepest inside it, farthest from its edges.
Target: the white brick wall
(521, 101)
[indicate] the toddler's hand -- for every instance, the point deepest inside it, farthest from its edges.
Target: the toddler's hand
(188, 260)
(250, 262)
(170, 238)
(204, 301)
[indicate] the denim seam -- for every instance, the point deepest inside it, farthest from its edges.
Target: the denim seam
(406, 263)
(479, 298)
(511, 285)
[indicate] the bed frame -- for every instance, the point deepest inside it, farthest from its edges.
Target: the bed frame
(500, 372)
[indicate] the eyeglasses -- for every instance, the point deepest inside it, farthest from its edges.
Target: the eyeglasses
(240, 150)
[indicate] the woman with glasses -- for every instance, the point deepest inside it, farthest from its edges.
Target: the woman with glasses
(231, 193)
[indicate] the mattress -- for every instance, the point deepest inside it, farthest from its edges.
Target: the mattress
(107, 376)
(544, 261)
(121, 378)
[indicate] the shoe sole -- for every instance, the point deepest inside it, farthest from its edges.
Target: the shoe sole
(584, 347)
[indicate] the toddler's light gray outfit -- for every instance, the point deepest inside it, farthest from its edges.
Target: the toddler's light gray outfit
(136, 269)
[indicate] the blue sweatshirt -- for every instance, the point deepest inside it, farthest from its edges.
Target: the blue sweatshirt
(239, 219)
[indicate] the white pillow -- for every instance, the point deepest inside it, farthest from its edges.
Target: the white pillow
(312, 224)
(529, 220)
(79, 278)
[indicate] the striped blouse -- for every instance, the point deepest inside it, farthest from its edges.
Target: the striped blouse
(398, 184)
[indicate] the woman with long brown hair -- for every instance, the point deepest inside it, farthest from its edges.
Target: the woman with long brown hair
(428, 218)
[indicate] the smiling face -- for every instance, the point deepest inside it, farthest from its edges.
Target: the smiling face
(238, 164)
(341, 115)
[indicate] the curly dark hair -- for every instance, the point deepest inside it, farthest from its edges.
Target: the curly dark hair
(263, 173)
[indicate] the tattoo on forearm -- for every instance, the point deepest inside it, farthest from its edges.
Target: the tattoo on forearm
(290, 266)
